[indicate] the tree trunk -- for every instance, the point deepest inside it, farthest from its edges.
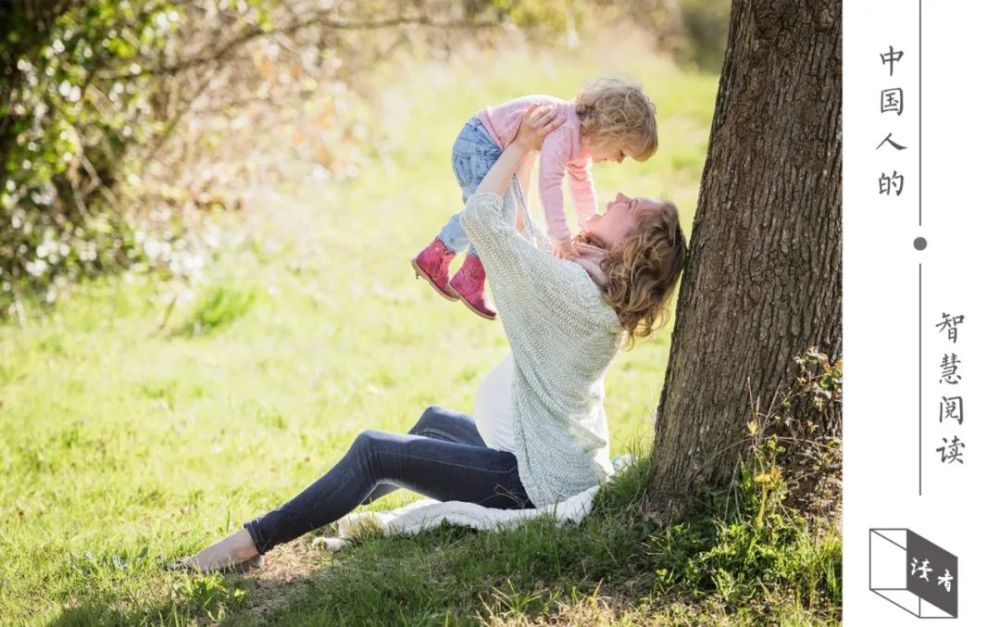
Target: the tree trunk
(763, 281)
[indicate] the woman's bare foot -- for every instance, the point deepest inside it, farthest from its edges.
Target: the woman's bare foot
(225, 554)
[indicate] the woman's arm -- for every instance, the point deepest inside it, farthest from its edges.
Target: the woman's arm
(524, 178)
(514, 265)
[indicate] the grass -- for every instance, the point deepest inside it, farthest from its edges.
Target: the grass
(134, 431)
(218, 306)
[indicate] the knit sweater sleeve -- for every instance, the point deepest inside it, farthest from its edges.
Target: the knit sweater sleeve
(516, 268)
(562, 337)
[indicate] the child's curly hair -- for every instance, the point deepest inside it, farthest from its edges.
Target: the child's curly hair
(643, 270)
(613, 109)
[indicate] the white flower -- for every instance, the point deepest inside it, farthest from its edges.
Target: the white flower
(37, 267)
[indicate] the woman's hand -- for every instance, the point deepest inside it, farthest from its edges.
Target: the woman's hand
(535, 124)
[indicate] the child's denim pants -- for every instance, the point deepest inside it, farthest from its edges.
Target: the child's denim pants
(442, 457)
(472, 156)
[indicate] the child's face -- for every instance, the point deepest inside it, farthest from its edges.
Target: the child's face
(606, 150)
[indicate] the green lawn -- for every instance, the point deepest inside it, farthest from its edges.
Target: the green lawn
(124, 444)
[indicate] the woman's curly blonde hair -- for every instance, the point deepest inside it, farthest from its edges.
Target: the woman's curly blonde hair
(615, 110)
(643, 270)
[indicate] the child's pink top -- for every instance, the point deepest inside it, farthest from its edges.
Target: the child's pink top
(561, 152)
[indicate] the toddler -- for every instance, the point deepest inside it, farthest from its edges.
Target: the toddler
(608, 121)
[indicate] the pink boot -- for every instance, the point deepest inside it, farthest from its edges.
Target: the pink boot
(432, 264)
(468, 285)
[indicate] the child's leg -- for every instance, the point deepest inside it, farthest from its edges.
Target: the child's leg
(471, 157)
(433, 263)
(513, 200)
(469, 283)
(474, 155)
(453, 235)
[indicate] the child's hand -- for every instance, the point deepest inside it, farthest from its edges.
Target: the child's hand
(564, 249)
(535, 124)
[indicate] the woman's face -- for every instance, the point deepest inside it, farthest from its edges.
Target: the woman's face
(620, 218)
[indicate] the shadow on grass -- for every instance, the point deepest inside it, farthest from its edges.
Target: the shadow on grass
(616, 567)
(90, 614)
(189, 600)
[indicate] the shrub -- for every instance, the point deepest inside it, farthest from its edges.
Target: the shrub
(121, 120)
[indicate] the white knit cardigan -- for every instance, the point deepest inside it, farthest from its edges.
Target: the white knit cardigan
(563, 336)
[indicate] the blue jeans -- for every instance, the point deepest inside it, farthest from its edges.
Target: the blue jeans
(443, 457)
(472, 156)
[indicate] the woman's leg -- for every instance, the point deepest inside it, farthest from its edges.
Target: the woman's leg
(446, 471)
(445, 424)
(441, 424)
(436, 422)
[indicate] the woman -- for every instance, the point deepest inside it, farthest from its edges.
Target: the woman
(540, 433)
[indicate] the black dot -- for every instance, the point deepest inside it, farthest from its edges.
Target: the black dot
(920, 243)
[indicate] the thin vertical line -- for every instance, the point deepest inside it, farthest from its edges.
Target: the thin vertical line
(956, 589)
(920, 113)
(869, 558)
(920, 378)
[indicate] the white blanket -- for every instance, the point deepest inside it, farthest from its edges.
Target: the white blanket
(428, 513)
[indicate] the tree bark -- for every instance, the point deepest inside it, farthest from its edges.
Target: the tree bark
(763, 281)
